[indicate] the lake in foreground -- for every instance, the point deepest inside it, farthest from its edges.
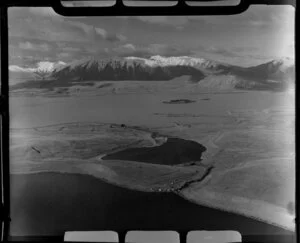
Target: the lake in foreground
(48, 204)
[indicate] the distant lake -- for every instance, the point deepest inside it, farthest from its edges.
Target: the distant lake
(52, 203)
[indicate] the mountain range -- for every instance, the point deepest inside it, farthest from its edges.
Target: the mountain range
(274, 75)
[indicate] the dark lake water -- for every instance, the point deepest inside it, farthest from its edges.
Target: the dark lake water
(48, 204)
(174, 151)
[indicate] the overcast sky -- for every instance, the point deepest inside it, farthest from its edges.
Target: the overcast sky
(258, 35)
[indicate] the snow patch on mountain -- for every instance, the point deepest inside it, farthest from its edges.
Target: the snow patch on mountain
(220, 82)
(283, 63)
(49, 66)
(176, 61)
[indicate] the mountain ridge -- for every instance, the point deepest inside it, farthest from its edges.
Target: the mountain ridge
(123, 69)
(277, 74)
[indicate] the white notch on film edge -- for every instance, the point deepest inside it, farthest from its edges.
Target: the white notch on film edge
(92, 236)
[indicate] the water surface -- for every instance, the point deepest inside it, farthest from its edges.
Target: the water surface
(52, 203)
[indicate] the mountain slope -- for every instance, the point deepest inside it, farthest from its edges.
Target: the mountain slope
(276, 70)
(123, 69)
(199, 63)
(275, 75)
(18, 74)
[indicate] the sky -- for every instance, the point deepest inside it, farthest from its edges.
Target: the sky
(258, 35)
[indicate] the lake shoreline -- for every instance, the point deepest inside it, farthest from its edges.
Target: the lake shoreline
(52, 192)
(179, 192)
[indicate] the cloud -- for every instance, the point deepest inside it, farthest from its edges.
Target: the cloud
(130, 47)
(115, 37)
(230, 53)
(240, 49)
(34, 47)
(44, 24)
(87, 29)
(94, 32)
(177, 22)
(43, 65)
(258, 16)
(71, 49)
(150, 50)
(221, 51)
(64, 55)
(261, 30)
(241, 56)
(16, 68)
(155, 19)
(43, 29)
(167, 50)
(25, 60)
(101, 32)
(125, 49)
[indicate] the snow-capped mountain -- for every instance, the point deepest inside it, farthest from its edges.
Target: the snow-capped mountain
(124, 69)
(50, 66)
(283, 63)
(273, 75)
(18, 74)
(195, 62)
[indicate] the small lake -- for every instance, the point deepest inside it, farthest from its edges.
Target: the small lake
(174, 151)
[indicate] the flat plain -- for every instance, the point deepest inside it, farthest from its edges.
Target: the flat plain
(248, 166)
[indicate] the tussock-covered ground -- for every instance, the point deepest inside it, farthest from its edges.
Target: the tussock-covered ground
(247, 168)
